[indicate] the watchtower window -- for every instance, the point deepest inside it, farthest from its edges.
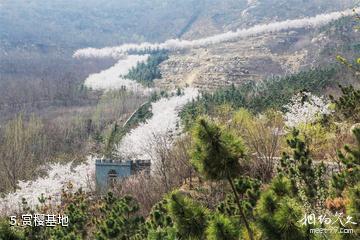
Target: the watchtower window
(112, 177)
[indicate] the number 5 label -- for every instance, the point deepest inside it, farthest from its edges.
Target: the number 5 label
(13, 220)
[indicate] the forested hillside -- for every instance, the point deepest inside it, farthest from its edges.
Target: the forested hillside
(146, 73)
(235, 174)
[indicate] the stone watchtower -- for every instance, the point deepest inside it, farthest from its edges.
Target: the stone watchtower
(108, 171)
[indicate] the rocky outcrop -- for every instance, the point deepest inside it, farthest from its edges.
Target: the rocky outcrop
(229, 63)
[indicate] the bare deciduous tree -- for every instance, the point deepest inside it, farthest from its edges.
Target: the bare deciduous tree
(262, 135)
(170, 169)
(22, 148)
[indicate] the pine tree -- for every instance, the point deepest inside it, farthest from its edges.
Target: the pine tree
(278, 211)
(249, 192)
(77, 208)
(346, 183)
(347, 107)
(222, 227)
(159, 224)
(119, 219)
(216, 154)
(353, 211)
(190, 218)
(178, 92)
(350, 174)
(306, 178)
(9, 233)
